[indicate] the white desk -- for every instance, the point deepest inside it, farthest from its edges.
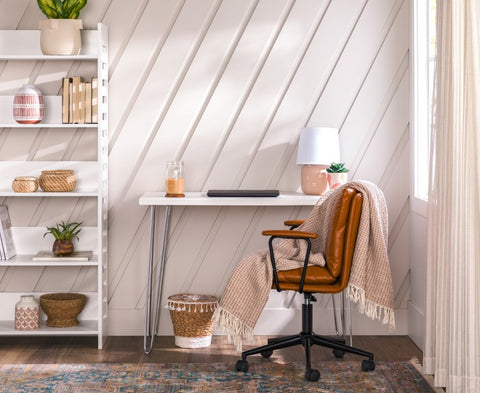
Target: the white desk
(154, 199)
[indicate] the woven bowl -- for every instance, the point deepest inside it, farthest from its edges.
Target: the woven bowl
(25, 184)
(59, 180)
(62, 309)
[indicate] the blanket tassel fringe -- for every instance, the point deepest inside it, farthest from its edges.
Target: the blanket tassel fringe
(233, 327)
(369, 308)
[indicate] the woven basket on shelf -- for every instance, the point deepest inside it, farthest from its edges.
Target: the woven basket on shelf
(62, 309)
(25, 184)
(192, 319)
(58, 180)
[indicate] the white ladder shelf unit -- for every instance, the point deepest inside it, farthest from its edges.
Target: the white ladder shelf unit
(86, 152)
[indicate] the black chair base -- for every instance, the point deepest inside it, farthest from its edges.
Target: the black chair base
(307, 338)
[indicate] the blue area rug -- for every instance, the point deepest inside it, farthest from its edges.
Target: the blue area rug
(336, 377)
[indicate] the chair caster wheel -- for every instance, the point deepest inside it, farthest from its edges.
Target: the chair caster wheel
(338, 354)
(266, 354)
(312, 375)
(368, 365)
(242, 365)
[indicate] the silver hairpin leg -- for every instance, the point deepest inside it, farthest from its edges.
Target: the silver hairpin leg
(340, 334)
(152, 313)
(148, 302)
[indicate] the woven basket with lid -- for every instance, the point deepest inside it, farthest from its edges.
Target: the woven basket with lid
(58, 180)
(25, 184)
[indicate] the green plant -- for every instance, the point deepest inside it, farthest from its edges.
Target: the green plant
(64, 231)
(61, 9)
(337, 167)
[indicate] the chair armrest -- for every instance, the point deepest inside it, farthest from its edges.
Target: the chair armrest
(289, 234)
(286, 233)
(293, 223)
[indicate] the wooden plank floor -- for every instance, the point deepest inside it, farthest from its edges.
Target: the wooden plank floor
(18, 350)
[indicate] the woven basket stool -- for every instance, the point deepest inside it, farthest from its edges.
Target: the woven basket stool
(192, 319)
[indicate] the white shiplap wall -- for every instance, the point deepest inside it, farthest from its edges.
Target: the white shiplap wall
(226, 86)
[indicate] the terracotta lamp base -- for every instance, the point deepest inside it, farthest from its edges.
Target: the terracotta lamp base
(314, 179)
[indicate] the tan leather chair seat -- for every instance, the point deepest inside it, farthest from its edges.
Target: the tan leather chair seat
(315, 275)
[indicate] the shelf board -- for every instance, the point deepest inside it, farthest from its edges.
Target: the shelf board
(86, 327)
(48, 125)
(25, 45)
(41, 194)
(26, 260)
(48, 57)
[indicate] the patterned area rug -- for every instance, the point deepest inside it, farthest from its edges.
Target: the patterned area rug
(338, 376)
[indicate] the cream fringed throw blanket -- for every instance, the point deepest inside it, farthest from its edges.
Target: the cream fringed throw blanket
(370, 284)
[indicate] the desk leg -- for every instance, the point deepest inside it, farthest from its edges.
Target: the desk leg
(152, 315)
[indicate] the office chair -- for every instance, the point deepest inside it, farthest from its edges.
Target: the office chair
(330, 279)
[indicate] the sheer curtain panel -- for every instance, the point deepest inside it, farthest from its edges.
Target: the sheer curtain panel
(452, 336)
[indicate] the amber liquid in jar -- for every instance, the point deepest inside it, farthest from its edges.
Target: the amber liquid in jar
(175, 183)
(175, 186)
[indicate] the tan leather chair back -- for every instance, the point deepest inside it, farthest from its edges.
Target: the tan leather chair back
(343, 234)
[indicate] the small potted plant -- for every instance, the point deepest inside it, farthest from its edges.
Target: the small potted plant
(337, 174)
(64, 234)
(60, 33)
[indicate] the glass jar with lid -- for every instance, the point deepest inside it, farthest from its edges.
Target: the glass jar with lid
(175, 183)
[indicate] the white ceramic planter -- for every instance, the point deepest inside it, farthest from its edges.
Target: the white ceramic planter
(60, 36)
(336, 179)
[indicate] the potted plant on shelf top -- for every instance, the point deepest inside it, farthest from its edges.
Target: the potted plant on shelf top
(64, 234)
(60, 33)
(337, 174)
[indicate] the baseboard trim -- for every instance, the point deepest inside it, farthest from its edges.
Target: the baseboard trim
(416, 324)
(288, 321)
(275, 321)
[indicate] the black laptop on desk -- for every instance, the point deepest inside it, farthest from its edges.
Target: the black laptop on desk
(243, 193)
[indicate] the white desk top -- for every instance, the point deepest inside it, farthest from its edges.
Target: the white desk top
(201, 199)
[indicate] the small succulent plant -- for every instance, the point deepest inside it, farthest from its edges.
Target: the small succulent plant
(61, 9)
(64, 231)
(337, 167)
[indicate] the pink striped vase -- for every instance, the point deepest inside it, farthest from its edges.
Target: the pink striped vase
(28, 105)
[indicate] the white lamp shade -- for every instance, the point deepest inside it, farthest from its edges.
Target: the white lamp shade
(318, 146)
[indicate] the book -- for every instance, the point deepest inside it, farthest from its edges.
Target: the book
(66, 100)
(81, 103)
(94, 100)
(70, 103)
(2, 250)
(6, 233)
(76, 80)
(88, 102)
(45, 256)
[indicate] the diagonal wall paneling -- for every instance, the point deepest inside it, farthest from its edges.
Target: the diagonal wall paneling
(225, 86)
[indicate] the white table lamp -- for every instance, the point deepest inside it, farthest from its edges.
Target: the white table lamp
(317, 149)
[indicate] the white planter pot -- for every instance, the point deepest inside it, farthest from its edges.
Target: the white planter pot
(60, 36)
(336, 179)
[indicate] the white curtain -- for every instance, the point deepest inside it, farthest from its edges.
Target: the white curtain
(452, 336)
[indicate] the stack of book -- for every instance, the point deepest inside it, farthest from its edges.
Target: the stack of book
(79, 100)
(7, 245)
